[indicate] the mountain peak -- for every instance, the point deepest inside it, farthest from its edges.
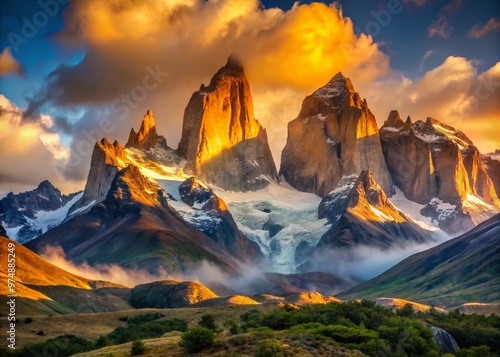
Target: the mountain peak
(394, 120)
(222, 141)
(233, 63)
(338, 86)
(44, 185)
(147, 137)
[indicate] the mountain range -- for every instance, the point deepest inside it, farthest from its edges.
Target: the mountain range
(344, 186)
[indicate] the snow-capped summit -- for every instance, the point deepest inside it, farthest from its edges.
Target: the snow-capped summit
(27, 215)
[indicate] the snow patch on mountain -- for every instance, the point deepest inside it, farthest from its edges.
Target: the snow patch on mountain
(43, 221)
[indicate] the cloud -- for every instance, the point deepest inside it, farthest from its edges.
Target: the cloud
(30, 150)
(478, 31)
(441, 26)
(8, 64)
(426, 56)
(453, 92)
(204, 273)
(286, 55)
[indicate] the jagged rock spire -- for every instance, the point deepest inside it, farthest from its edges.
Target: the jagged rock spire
(221, 140)
(147, 137)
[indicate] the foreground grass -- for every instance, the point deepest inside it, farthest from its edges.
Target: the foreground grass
(335, 329)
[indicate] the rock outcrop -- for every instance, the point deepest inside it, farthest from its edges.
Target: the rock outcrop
(214, 219)
(147, 137)
(169, 294)
(438, 166)
(334, 135)
(221, 140)
(408, 159)
(492, 163)
(107, 159)
(361, 214)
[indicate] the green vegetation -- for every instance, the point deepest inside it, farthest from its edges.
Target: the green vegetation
(197, 339)
(346, 329)
(139, 327)
(138, 348)
(208, 322)
(269, 348)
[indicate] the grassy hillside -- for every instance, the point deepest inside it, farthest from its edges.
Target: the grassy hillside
(43, 288)
(463, 269)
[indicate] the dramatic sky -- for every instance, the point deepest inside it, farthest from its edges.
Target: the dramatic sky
(72, 72)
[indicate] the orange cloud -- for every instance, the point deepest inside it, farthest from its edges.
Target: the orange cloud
(8, 64)
(452, 92)
(478, 31)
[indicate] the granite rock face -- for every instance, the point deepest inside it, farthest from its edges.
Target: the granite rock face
(104, 165)
(409, 160)
(147, 137)
(492, 163)
(334, 135)
(221, 140)
(438, 166)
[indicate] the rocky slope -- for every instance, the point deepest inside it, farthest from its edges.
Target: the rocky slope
(213, 218)
(221, 140)
(463, 269)
(334, 135)
(438, 166)
(143, 231)
(28, 215)
(361, 213)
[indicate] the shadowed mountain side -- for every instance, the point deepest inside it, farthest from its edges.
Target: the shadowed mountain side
(242, 167)
(43, 288)
(306, 176)
(134, 228)
(351, 231)
(463, 269)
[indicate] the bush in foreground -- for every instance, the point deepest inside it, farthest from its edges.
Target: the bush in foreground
(269, 347)
(138, 348)
(197, 339)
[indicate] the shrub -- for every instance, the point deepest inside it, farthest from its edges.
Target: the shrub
(40, 333)
(232, 326)
(237, 341)
(28, 320)
(269, 348)
(208, 322)
(197, 339)
(138, 348)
